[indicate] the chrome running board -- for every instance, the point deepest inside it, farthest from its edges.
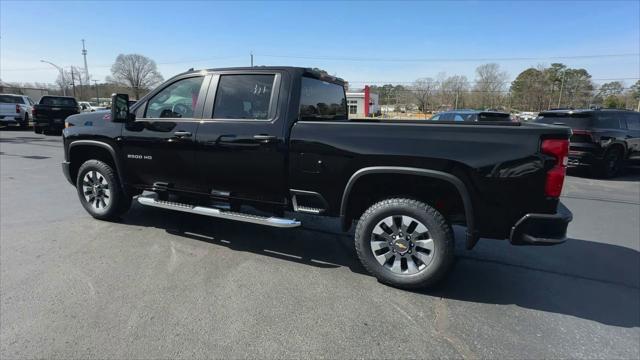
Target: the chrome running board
(218, 213)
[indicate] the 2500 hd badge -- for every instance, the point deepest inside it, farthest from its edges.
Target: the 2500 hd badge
(139, 157)
(224, 150)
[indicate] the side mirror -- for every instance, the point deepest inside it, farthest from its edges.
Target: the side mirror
(120, 108)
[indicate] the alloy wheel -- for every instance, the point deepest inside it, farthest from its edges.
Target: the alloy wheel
(402, 245)
(95, 188)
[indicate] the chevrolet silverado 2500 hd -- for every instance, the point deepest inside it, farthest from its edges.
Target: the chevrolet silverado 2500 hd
(219, 142)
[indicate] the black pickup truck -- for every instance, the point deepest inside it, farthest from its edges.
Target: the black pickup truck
(237, 143)
(50, 113)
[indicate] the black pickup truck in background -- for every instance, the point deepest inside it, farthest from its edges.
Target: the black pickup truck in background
(51, 112)
(236, 143)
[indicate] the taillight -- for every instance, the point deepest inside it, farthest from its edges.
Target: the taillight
(17, 109)
(558, 148)
(33, 113)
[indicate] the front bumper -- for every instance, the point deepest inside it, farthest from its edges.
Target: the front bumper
(66, 172)
(542, 229)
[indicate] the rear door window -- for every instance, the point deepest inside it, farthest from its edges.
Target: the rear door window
(244, 97)
(322, 101)
(607, 120)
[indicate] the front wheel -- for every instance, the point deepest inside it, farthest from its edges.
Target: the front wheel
(99, 191)
(405, 243)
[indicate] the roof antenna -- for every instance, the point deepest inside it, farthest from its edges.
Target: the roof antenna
(190, 69)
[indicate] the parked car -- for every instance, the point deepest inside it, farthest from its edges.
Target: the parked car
(52, 111)
(15, 110)
(223, 142)
(527, 116)
(603, 140)
(86, 106)
(471, 115)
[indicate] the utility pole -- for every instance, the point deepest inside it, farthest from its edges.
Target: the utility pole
(561, 87)
(86, 68)
(251, 53)
(95, 82)
(73, 82)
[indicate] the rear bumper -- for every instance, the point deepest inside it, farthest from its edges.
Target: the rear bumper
(49, 124)
(584, 154)
(542, 229)
(67, 174)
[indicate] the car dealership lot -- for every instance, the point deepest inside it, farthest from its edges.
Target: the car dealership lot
(166, 284)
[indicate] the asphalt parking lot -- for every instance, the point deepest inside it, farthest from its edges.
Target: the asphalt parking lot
(161, 284)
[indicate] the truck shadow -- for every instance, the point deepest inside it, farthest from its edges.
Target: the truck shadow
(584, 279)
(313, 247)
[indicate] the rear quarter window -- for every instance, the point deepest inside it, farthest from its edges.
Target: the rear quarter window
(322, 100)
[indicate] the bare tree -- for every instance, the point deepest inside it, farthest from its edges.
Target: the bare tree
(135, 71)
(422, 90)
(490, 82)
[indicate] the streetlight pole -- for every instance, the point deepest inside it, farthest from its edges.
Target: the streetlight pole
(95, 82)
(64, 83)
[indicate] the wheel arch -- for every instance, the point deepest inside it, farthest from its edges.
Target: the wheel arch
(453, 180)
(93, 149)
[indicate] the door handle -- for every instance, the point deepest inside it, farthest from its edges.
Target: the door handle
(264, 138)
(182, 134)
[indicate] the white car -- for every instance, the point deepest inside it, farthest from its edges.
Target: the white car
(15, 110)
(86, 106)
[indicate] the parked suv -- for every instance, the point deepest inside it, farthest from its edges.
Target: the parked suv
(15, 109)
(472, 115)
(603, 140)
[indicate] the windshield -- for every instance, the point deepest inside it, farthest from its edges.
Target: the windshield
(58, 101)
(575, 121)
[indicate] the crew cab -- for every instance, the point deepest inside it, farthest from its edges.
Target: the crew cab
(51, 112)
(603, 140)
(15, 109)
(261, 144)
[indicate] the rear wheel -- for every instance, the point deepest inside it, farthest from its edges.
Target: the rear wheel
(100, 192)
(37, 130)
(25, 121)
(405, 243)
(611, 164)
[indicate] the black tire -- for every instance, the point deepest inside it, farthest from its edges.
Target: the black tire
(439, 231)
(37, 130)
(610, 165)
(103, 202)
(25, 122)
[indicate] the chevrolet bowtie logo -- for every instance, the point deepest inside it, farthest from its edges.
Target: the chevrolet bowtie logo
(401, 246)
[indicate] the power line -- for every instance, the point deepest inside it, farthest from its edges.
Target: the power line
(391, 82)
(369, 59)
(158, 63)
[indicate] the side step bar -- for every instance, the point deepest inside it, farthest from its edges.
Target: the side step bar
(219, 213)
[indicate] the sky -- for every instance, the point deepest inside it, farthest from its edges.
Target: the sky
(364, 42)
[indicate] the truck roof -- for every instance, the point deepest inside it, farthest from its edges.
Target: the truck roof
(313, 72)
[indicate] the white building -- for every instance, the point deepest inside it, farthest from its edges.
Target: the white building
(362, 104)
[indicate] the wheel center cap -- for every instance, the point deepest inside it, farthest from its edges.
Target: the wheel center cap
(401, 246)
